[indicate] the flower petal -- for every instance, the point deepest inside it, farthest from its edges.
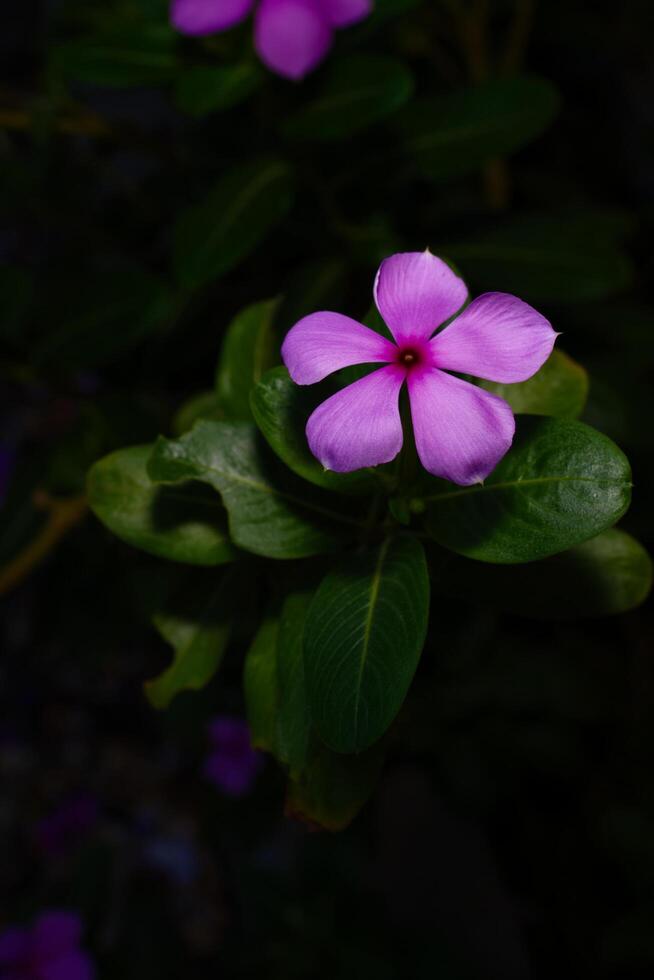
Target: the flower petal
(415, 292)
(291, 36)
(56, 932)
(14, 946)
(360, 425)
(70, 966)
(227, 731)
(461, 431)
(497, 337)
(343, 13)
(199, 17)
(233, 773)
(325, 342)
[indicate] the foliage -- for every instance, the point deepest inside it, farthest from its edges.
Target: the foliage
(177, 209)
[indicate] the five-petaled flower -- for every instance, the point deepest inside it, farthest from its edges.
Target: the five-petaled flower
(461, 431)
(49, 950)
(291, 36)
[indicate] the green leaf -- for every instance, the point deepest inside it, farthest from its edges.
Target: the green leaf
(107, 315)
(609, 574)
(293, 716)
(331, 789)
(281, 410)
(206, 88)
(563, 257)
(363, 638)
(455, 134)
(560, 388)
(142, 55)
(358, 91)
(184, 523)
(197, 625)
(203, 405)
(249, 349)
(244, 206)
(561, 483)
(270, 512)
(260, 686)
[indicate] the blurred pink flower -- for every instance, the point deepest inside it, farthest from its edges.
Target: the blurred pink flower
(232, 765)
(291, 36)
(49, 950)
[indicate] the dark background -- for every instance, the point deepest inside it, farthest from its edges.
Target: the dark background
(512, 833)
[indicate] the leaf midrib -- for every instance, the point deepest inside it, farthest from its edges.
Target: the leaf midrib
(532, 481)
(453, 134)
(272, 491)
(374, 594)
(343, 99)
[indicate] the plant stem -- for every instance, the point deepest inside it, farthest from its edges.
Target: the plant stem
(62, 516)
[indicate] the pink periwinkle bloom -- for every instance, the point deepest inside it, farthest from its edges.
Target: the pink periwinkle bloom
(461, 431)
(49, 950)
(232, 765)
(291, 36)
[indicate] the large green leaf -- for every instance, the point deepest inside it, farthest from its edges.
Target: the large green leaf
(215, 235)
(609, 574)
(249, 349)
(455, 134)
(557, 257)
(358, 91)
(362, 642)
(209, 88)
(141, 55)
(197, 625)
(331, 789)
(281, 410)
(260, 686)
(185, 523)
(560, 484)
(293, 715)
(270, 512)
(560, 388)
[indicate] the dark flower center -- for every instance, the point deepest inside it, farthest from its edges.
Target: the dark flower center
(409, 357)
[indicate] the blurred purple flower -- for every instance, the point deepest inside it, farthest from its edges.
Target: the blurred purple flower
(49, 950)
(64, 827)
(232, 764)
(291, 36)
(461, 431)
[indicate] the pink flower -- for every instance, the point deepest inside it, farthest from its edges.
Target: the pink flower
(47, 951)
(461, 431)
(291, 36)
